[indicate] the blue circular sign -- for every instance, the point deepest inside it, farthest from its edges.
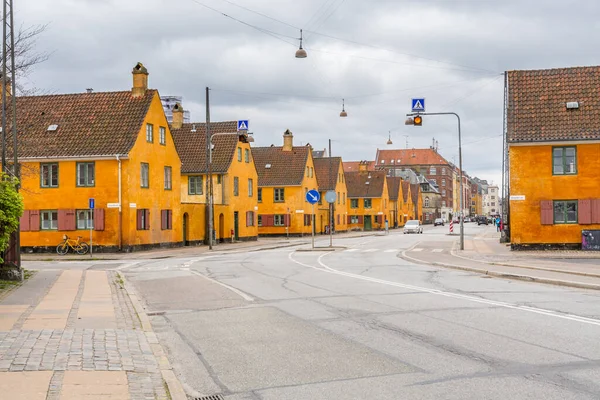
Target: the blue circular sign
(313, 196)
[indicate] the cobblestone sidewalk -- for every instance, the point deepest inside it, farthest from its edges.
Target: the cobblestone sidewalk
(92, 345)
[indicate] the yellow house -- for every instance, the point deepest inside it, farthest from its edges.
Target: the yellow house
(330, 176)
(396, 201)
(409, 208)
(285, 174)
(234, 181)
(417, 200)
(369, 199)
(554, 158)
(113, 147)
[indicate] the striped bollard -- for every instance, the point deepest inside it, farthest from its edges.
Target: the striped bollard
(451, 226)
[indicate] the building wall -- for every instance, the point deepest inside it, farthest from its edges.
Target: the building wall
(340, 214)
(156, 197)
(69, 196)
(531, 176)
(380, 208)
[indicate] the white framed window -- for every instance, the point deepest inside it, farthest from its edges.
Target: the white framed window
(250, 187)
(49, 219)
(168, 178)
(162, 135)
(278, 220)
(86, 174)
(149, 133)
(279, 195)
(145, 175)
(432, 171)
(49, 175)
(195, 185)
(85, 219)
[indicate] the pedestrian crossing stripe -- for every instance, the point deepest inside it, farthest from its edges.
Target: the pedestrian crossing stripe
(391, 251)
(437, 250)
(369, 250)
(352, 250)
(417, 249)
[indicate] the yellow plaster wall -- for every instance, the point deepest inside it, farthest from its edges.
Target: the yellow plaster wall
(531, 176)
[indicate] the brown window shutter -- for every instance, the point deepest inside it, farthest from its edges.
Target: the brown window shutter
(349, 219)
(271, 219)
(596, 211)
(24, 221)
(147, 212)
(286, 219)
(34, 220)
(170, 224)
(71, 220)
(98, 219)
(584, 211)
(163, 219)
(247, 218)
(62, 220)
(361, 219)
(139, 219)
(547, 212)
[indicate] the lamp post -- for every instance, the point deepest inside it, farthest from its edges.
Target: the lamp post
(410, 121)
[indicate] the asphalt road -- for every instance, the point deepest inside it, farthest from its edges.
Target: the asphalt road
(363, 323)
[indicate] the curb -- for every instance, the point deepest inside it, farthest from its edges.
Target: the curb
(174, 386)
(562, 271)
(527, 278)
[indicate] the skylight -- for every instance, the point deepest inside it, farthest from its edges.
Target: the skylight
(52, 128)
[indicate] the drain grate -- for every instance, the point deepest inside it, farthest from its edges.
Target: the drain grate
(211, 397)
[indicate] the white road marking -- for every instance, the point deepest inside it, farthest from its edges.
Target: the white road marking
(570, 317)
(437, 250)
(236, 291)
(417, 250)
(351, 250)
(370, 250)
(391, 251)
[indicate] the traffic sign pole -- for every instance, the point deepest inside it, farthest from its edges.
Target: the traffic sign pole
(92, 205)
(312, 225)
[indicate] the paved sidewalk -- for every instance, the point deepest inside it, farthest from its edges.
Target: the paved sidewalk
(191, 251)
(78, 335)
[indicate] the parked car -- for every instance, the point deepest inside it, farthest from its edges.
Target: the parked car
(482, 221)
(467, 219)
(413, 226)
(438, 221)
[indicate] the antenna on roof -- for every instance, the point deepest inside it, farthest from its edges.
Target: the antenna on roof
(193, 127)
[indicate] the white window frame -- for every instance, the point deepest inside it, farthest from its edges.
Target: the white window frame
(52, 224)
(87, 222)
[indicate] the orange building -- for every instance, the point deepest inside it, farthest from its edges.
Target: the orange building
(396, 201)
(330, 176)
(554, 156)
(285, 174)
(114, 147)
(409, 208)
(369, 199)
(234, 181)
(417, 200)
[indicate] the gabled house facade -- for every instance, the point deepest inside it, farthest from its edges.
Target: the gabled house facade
(554, 156)
(113, 147)
(234, 181)
(396, 201)
(330, 177)
(409, 207)
(285, 174)
(417, 200)
(369, 204)
(431, 201)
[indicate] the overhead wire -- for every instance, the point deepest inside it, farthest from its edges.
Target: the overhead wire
(261, 14)
(323, 20)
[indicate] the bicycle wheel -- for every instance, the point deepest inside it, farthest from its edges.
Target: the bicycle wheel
(62, 248)
(83, 248)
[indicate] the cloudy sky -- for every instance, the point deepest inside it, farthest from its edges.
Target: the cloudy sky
(376, 54)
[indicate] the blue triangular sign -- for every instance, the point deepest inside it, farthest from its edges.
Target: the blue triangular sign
(418, 105)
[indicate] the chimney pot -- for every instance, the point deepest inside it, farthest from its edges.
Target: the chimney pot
(177, 116)
(140, 80)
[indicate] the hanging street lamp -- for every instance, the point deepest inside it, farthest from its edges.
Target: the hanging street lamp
(301, 53)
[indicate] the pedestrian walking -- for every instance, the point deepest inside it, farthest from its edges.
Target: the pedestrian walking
(497, 224)
(387, 227)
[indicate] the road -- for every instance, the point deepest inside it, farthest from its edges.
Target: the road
(361, 323)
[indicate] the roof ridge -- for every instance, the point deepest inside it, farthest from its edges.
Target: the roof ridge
(37, 96)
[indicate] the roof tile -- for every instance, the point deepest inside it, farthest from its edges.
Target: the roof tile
(365, 184)
(326, 180)
(286, 168)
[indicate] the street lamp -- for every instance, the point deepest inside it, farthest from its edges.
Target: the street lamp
(301, 53)
(343, 113)
(412, 120)
(389, 142)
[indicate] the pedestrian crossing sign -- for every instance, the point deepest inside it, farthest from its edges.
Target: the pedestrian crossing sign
(418, 105)
(242, 125)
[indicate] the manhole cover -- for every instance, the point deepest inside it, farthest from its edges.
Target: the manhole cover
(212, 397)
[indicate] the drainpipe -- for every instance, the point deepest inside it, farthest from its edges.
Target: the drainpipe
(120, 207)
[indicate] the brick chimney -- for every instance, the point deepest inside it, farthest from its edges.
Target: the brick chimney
(177, 116)
(363, 166)
(140, 80)
(288, 140)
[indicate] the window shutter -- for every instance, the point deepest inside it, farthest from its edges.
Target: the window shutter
(584, 210)
(63, 224)
(248, 218)
(271, 220)
(163, 219)
(147, 212)
(286, 219)
(596, 211)
(71, 220)
(139, 219)
(349, 219)
(34, 220)
(99, 219)
(24, 222)
(361, 219)
(170, 215)
(547, 212)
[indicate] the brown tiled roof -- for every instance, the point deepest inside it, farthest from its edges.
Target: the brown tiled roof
(287, 168)
(326, 180)
(405, 190)
(356, 182)
(409, 157)
(89, 124)
(394, 187)
(191, 146)
(352, 166)
(414, 192)
(537, 101)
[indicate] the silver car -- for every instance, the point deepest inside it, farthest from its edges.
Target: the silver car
(413, 226)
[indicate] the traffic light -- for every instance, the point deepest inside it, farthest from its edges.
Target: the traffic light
(418, 120)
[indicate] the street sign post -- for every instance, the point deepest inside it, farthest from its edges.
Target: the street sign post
(92, 205)
(418, 105)
(313, 197)
(330, 196)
